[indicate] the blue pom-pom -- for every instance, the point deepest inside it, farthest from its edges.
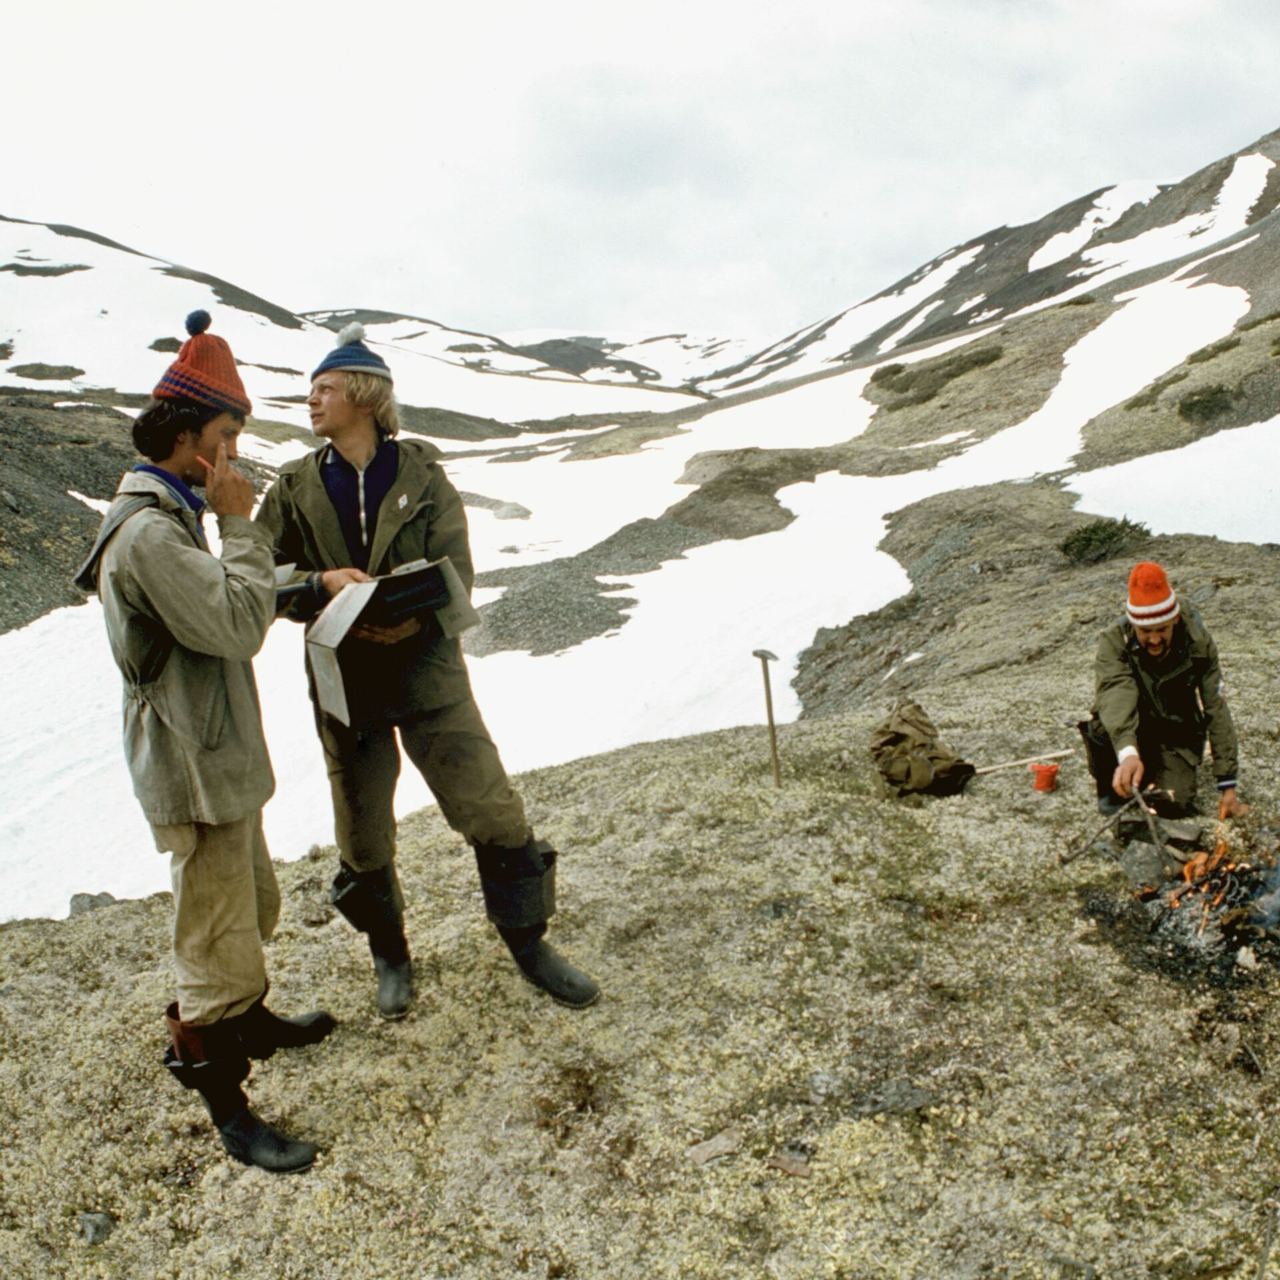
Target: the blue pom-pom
(198, 322)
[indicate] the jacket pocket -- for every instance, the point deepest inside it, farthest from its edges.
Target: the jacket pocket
(409, 542)
(191, 699)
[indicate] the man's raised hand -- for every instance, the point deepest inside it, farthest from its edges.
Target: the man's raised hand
(228, 492)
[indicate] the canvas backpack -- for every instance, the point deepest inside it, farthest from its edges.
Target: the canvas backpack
(911, 758)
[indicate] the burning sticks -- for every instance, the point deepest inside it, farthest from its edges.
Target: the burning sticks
(1072, 854)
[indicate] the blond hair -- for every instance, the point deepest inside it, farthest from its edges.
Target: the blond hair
(369, 391)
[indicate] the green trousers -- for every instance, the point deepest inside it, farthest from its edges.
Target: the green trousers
(451, 748)
(225, 905)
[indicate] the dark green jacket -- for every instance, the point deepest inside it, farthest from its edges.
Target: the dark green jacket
(421, 517)
(1171, 704)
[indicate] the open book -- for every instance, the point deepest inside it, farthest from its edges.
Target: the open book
(420, 589)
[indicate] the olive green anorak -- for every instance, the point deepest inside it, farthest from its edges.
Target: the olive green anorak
(1171, 704)
(421, 517)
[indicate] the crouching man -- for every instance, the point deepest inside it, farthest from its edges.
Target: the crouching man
(366, 503)
(1158, 695)
(183, 626)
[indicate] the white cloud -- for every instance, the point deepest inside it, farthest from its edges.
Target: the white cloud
(720, 167)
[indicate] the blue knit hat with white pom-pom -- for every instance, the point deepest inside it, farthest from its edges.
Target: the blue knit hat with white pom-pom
(350, 355)
(205, 371)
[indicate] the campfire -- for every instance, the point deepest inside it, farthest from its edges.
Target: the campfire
(1219, 901)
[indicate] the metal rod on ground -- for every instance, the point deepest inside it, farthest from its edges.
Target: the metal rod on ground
(1009, 764)
(1072, 855)
(765, 658)
(1267, 1242)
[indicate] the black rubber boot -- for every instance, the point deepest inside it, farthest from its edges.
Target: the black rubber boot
(211, 1060)
(546, 968)
(520, 897)
(262, 1032)
(246, 1137)
(371, 902)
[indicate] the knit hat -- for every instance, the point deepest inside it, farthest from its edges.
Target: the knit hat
(350, 355)
(205, 371)
(1151, 600)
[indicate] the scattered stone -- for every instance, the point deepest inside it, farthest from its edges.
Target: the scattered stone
(792, 1166)
(1246, 959)
(895, 1098)
(85, 902)
(1069, 1267)
(96, 1227)
(1141, 863)
(511, 511)
(825, 1084)
(725, 1143)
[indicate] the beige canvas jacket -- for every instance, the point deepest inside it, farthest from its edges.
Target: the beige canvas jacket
(183, 626)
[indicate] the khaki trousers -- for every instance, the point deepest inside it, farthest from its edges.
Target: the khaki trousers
(451, 748)
(225, 905)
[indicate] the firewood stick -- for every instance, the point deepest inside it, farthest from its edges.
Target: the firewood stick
(1010, 764)
(1072, 854)
(1150, 814)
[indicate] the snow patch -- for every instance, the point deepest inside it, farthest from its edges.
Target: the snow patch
(1201, 488)
(1105, 210)
(94, 504)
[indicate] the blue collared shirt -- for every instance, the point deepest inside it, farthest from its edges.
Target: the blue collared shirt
(357, 495)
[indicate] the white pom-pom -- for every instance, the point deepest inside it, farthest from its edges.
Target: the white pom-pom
(354, 332)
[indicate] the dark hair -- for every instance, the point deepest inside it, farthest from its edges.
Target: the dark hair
(157, 428)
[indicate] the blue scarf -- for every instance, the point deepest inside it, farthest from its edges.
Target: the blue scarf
(183, 493)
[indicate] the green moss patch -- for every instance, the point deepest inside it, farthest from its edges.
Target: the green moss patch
(918, 383)
(1206, 403)
(1102, 539)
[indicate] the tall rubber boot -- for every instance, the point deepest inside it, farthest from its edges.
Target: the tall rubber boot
(1101, 758)
(520, 897)
(262, 1032)
(372, 903)
(197, 1061)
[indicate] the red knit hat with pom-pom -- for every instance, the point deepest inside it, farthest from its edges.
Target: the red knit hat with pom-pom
(205, 371)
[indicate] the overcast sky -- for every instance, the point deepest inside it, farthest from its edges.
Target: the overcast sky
(737, 169)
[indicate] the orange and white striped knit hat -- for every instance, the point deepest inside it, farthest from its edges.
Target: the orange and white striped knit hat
(1151, 600)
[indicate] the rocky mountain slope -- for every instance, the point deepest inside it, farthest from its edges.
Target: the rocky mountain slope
(841, 1035)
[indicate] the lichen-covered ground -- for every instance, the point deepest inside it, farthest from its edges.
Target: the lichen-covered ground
(841, 1036)
(914, 1049)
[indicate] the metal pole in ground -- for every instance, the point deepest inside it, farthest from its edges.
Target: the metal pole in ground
(765, 658)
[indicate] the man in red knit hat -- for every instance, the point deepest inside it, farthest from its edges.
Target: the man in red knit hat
(183, 626)
(1157, 696)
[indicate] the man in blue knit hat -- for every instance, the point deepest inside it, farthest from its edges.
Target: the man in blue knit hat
(366, 503)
